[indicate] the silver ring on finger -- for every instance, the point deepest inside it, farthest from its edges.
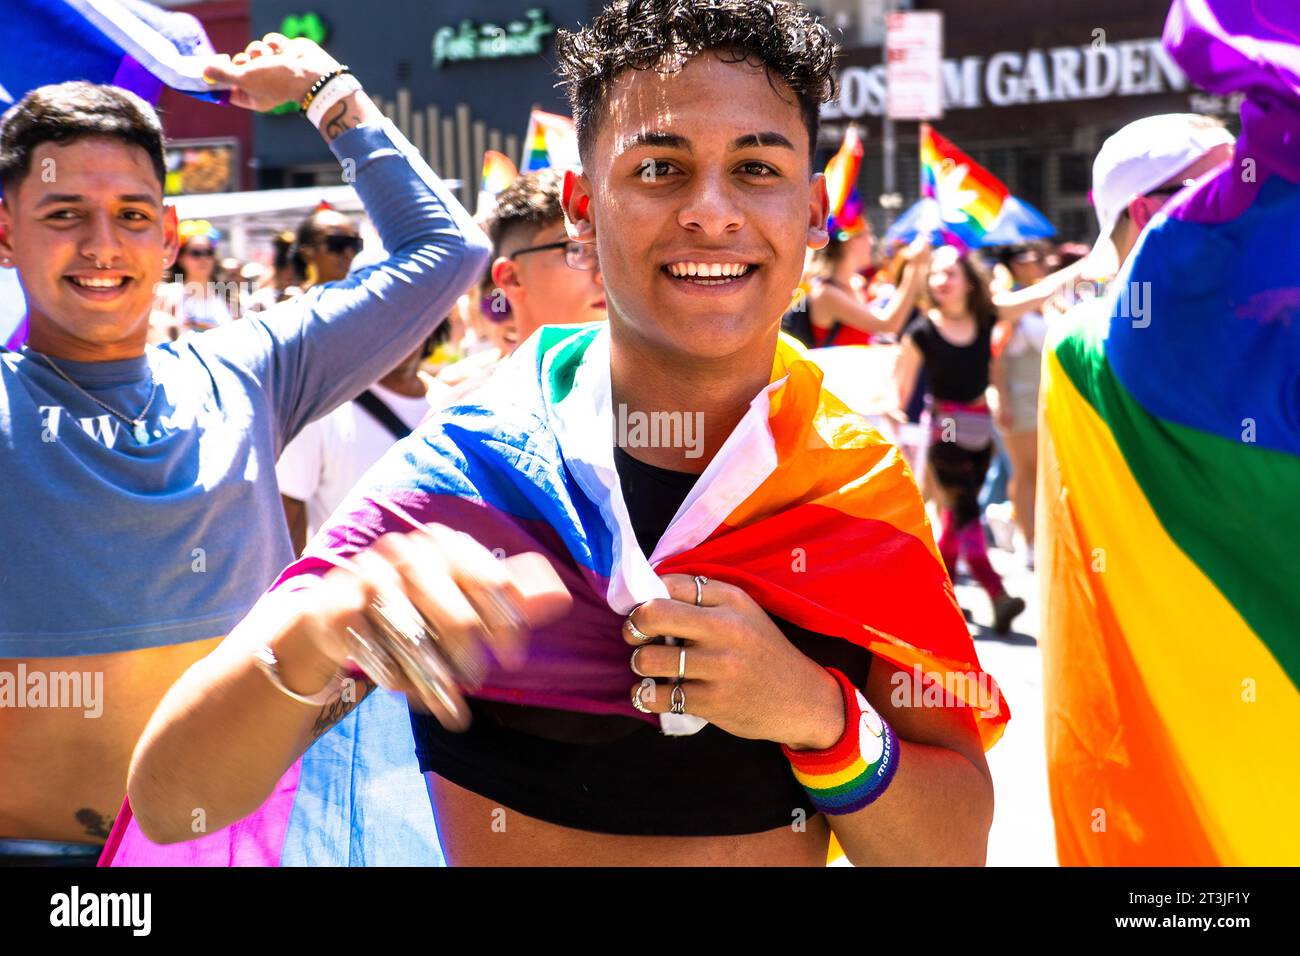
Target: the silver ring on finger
(635, 669)
(679, 700)
(636, 696)
(681, 664)
(700, 581)
(638, 635)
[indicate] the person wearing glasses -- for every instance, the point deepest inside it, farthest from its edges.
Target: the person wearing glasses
(195, 295)
(327, 242)
(545, 278)
(699, 192)
(538, 277)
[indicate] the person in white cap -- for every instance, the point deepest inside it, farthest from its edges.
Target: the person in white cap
(1139, 169)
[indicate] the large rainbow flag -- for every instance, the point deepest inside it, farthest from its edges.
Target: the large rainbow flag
(806, 507)
(1167, 498)
(969, 197)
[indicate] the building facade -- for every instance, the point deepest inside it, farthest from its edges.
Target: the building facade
(1030, 90)
(456, 76)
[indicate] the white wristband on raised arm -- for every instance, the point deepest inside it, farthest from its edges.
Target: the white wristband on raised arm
(340, 87)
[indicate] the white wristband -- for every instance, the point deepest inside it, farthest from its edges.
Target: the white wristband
(343, 85)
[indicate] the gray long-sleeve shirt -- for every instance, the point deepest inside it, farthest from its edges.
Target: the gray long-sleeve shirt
(108, 545)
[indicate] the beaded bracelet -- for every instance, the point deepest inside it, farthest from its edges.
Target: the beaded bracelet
(856, 770)
(318, 86)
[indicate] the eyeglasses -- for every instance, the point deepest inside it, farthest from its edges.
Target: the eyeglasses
(201, 253)
(340, 245)
(577, 255)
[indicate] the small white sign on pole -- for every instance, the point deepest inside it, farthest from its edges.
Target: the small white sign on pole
(914, 65)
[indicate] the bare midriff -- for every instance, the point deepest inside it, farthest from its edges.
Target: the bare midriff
(64, 772)
(476, 831)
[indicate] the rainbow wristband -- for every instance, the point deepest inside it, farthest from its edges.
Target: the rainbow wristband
(857, 769)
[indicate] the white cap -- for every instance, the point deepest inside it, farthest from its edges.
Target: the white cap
(1143, 155)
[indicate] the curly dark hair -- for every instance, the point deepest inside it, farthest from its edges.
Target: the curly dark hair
(662, 34)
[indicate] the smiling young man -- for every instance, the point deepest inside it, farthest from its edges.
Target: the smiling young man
(696, 122)
(140, 507)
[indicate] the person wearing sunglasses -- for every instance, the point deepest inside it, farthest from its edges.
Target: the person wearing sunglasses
(196, 296)
(327, 243)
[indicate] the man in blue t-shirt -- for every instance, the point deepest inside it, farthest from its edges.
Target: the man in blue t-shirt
(139, 504)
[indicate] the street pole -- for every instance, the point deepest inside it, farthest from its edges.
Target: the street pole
(888, 178)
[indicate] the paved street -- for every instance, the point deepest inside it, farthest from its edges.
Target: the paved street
(1022, 820)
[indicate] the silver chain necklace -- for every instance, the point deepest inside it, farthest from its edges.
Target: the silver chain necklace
(138, 431)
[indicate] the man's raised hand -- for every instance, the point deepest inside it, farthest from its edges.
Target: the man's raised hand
(271, 71)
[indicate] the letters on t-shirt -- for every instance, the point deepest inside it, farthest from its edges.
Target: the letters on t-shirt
(102, 428)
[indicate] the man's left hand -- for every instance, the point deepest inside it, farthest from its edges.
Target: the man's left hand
(742, 674)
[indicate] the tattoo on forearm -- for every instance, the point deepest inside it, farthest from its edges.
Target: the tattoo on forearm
(340, 120)
(353, 694)
(95, 823)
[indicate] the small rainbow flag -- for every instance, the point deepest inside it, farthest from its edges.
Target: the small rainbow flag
(970, 198)
(846, 218)
(498, 173)
(1170, 460)
(551, 140)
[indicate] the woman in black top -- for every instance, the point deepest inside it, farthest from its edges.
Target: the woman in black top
(952, 341)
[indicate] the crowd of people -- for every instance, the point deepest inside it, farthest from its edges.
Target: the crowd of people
(252, 425)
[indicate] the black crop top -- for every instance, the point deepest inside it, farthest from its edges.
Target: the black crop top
(955, 373)
(621, 775)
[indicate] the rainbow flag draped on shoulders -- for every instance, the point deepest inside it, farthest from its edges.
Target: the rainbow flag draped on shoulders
(1167, 499)
(806, 507)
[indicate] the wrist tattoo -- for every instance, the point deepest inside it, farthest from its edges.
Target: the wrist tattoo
(340, 120)
(341, 706)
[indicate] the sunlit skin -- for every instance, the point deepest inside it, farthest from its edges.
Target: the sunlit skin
(102, 204)
(541, 288)
(686, 180)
